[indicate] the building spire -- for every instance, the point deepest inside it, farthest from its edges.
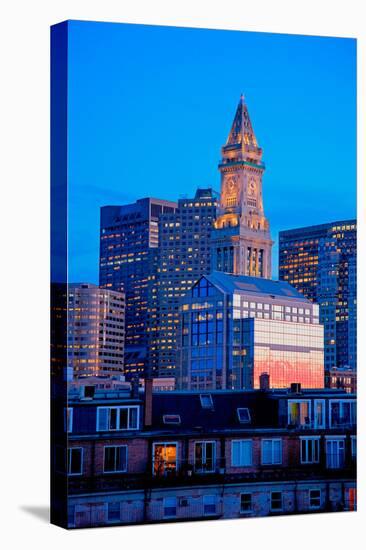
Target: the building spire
(242, 132)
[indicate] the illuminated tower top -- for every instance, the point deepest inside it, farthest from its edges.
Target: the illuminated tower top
(242, 243)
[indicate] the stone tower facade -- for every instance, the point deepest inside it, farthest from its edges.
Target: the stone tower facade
(241, 241)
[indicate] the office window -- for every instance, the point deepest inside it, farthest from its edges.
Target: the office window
(114, 511)
(335, 453)
(75, 461)
(204, 456)
(276, 501)
(271, 451)
(170, 507)
(243, 415)
(309, 450)
(117, 418)
(314, 498)
(246, 502)
(209, 504)
(164, 459)
(115, 458)
(241, 452)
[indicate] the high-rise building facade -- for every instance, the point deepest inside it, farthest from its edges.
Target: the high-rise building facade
(241, 241)
(183, 256)
(129, 237)
(96, 330)
(320, 261)
(236, 328)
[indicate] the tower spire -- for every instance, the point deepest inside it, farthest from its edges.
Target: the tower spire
(242, 132)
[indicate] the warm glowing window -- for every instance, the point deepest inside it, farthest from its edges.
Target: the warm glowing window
(164, 459)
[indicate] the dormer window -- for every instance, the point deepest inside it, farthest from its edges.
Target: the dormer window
(206, 401)
(171, 419)
(243, 415)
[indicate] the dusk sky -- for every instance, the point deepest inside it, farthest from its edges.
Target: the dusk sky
(150, 108)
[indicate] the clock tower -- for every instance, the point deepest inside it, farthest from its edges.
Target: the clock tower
(241, 241)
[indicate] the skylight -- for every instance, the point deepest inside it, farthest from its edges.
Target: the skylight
(243, 415)
(171, 419)
(206, 401)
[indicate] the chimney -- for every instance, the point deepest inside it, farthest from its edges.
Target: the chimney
(148, 401)
(135, 387)
(264, 381)
(295, 387)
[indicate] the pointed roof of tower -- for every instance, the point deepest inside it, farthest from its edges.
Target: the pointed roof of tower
(242, 132)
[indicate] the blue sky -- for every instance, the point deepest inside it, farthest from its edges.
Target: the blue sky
(150, 108)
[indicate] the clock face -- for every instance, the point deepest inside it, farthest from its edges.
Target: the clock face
(231, 184)
(252, 187)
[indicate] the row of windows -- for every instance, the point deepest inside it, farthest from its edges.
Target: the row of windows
(165, 456)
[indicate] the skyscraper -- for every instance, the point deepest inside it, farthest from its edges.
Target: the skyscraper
(320, 261)
(183, 256)
(241, 241)
(236, 328)
(129, 237)
(96, 330)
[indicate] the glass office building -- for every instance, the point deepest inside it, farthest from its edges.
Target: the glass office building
(129, 237)
(320, 261)
(236, 328)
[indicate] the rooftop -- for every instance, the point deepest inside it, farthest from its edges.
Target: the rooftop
(243, 284)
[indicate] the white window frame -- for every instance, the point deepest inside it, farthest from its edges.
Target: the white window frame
(311, 438)
(240, 441)
(277, 509)
(204, 442)
(272, 439)
(339, 439)
(316, 425)
(308, 401)
(165, 443)
(69, 461)
(340, 401)
(118, 408)
(114, 447)
(313, 507)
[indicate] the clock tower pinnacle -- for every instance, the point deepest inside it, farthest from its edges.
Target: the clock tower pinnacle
(241, 241)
